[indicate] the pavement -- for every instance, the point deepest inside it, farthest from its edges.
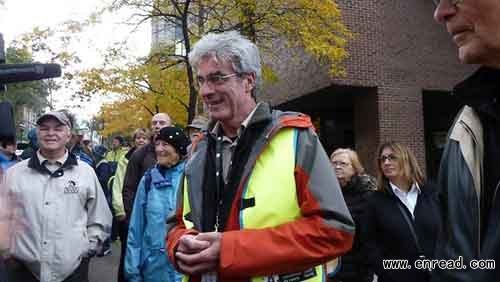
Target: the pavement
(105, 269)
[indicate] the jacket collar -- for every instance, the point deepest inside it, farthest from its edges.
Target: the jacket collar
(34, 163)
(481, 91)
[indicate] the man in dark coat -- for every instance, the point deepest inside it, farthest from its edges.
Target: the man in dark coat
(469, 175)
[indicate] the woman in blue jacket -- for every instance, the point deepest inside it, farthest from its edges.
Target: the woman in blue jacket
(145, 259)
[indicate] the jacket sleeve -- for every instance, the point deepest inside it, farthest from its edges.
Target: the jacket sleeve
(459, 213)
(175, 225)
(99, 215)
(368, 237)
(133, 258)
(324, 232)
(131, 180)
(117, 188)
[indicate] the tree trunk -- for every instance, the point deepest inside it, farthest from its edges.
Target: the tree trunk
(193, 94)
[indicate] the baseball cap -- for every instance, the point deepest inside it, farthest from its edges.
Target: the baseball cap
(59, 116)
(199, 122)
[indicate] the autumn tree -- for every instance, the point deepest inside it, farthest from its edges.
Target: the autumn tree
(53, 45)
(313, 26)
(143, 90)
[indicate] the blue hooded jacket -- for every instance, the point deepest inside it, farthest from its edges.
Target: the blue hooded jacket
(146, 260)
(6, 161)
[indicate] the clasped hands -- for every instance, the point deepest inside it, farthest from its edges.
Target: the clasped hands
(198, 254)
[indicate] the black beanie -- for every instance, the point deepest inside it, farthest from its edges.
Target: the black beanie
(174, 136)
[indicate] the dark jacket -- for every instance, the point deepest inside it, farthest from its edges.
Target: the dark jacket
(3, 271)
(353, 264)
(469, 177)
(140, 161)
(385, 234)
(104, 172)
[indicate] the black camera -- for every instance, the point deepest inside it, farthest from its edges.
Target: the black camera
(24, 72)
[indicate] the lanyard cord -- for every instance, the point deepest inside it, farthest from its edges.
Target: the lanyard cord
(218, 182)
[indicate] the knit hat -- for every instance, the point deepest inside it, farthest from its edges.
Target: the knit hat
(175, 137)
(99, 151)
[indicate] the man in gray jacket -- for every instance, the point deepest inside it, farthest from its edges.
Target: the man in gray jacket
(469, 175)
(60, 215)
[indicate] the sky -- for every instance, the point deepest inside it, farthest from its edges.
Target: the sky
(21, 16)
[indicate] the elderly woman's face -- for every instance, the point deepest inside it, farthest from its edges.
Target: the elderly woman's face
(166, 154)
(474, 26)
(390, 164)
(343, 168)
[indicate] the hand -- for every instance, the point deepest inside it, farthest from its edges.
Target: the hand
(188, 244)
(203, 254)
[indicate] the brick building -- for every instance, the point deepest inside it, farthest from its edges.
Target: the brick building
(400, 71)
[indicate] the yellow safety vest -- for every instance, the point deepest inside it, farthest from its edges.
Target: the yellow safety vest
(272, 186)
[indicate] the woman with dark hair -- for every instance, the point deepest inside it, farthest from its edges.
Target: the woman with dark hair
(356, 187)
(402, 219)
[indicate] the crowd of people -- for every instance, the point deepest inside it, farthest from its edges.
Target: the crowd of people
(250, 194)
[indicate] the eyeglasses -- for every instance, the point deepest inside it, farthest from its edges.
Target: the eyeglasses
(390, 158)
(214, 79)
(341, 164)
(452, 2)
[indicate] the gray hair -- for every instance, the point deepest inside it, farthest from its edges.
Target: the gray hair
(229, 47)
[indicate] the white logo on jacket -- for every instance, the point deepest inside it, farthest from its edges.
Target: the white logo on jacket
(71, 187)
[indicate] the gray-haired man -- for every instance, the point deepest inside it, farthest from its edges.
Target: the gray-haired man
(259, 197)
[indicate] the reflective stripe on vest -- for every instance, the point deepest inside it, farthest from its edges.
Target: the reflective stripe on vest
(272, 191)
(186, 208)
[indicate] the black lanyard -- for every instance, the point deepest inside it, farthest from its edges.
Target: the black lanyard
(218, 182)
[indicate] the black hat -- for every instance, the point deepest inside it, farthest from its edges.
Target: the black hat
(174, 136)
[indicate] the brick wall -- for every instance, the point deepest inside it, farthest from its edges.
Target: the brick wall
(366, 128)
(400, 51)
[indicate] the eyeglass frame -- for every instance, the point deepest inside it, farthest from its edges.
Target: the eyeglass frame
(452, 2)
(214, 79)
(391, 158)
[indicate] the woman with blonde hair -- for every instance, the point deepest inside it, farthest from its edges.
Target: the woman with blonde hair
(402, 219)
(356, 188)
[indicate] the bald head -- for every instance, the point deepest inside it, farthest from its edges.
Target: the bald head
(160, 121)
